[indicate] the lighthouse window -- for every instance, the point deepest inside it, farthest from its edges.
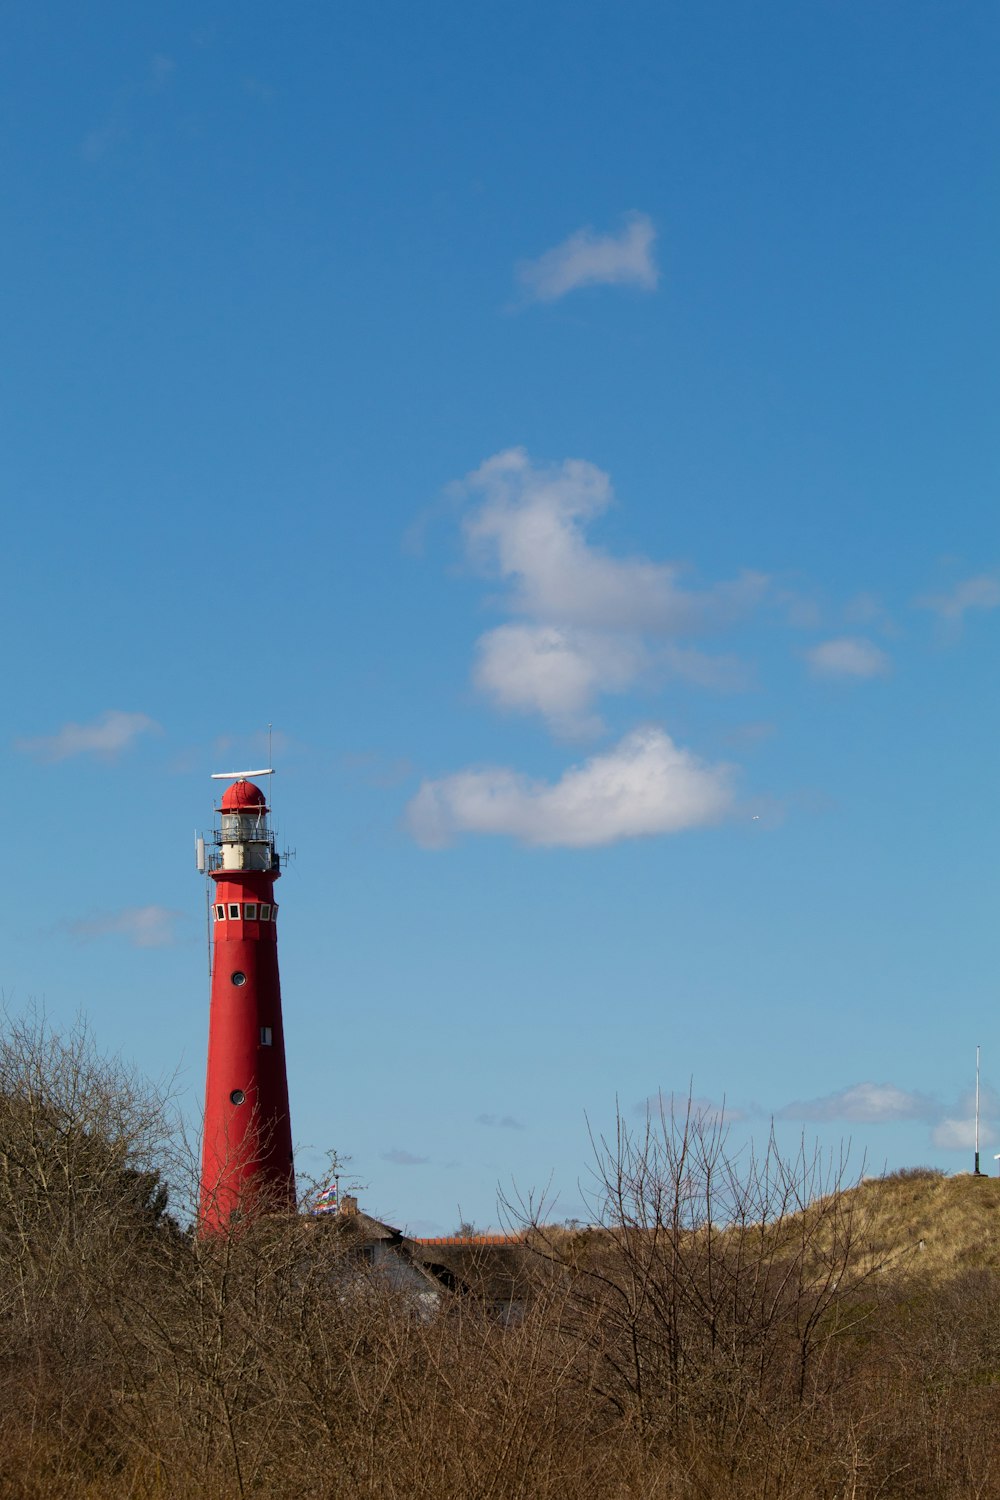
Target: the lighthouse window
(265, 912)
(238, 978)
(234, 911)
(220, 913)
(265, 1036)
(250, 911)
(237, 1096)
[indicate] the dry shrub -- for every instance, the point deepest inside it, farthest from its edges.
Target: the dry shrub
(734, 1329)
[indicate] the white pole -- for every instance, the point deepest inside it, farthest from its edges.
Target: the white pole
(977, 1112)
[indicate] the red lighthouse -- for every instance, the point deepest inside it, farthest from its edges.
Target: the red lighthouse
(247, 1151)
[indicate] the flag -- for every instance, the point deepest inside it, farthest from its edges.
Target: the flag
(326, 1201)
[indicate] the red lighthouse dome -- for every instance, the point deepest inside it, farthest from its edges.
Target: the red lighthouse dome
(240, 795)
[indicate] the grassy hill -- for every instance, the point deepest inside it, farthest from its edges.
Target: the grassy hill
(916, 1221)
(925, 1223)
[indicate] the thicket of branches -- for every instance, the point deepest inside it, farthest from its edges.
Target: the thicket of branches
(727, 1330)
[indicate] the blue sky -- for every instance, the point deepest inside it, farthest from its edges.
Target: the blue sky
(574, 428)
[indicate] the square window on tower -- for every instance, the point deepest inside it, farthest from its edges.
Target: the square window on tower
(220, 913)
(250, 911)
(265, 912)
(265, 1036)
(234, 911)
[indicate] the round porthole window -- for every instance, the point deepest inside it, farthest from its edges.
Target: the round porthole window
(239, 977)
(237, 1096)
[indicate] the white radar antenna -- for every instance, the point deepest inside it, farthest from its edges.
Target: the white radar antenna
(239, 775)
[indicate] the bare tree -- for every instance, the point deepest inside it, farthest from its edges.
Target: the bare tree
(716, 1283)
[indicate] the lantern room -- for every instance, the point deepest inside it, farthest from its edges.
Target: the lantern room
(244, 839)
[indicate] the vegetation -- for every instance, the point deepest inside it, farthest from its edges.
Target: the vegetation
(755, 1328)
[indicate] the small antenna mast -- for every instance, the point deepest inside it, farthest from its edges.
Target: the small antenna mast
(977, 1171)
(208, 926)
(202, 863)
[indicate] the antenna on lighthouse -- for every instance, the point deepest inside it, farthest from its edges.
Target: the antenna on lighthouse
(202, 864)
(270, 755)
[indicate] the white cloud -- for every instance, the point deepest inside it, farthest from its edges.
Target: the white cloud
(589, 259)
(957, 1129)
(868, 610)
(595, 622)
(586, 623)
(529, 529)
(981, 592)
(107, 736)
(645, 785)
(848, 656)
(142, 926)
(558, 670)
(960, 1135)
(505, 1122)
(554, 670)
(865, 1103)
(401, 1158)
(704, 1112)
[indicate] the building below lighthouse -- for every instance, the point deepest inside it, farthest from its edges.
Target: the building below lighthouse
(247, 1164)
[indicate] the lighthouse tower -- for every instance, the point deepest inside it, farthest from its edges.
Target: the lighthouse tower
(247, 1152)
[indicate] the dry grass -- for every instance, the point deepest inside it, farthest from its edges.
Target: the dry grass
(914, 1222)
(921, 1223)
